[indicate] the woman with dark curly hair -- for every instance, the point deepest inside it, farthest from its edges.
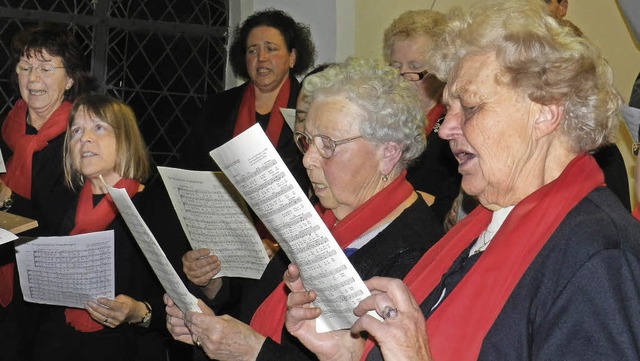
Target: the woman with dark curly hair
(269, 49)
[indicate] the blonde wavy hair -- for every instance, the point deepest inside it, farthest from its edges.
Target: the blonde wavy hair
(132, 158)
(539, 57)
(410, 24)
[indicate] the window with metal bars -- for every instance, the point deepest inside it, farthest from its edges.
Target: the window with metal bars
(162, 57)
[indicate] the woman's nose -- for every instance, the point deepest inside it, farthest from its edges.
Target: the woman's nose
(451, 125)
(262, 54)
(311, 158)
(34, 75)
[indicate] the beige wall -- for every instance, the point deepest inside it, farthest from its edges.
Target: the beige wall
(600, 20)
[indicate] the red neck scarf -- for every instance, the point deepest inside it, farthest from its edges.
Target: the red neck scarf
(247, 113)
(458, 326)
(636, 212)
(269, 317)
(19, 166)
(433, 115)
(90, 219)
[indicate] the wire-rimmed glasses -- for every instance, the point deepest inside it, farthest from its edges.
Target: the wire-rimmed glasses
(23, 69)
(325, 145)
(414, 76)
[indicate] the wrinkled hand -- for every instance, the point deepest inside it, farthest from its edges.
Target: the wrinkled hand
(300, 321)
(402, 335)
(223, 337)
(175, 322)
(112, 313)
(200, 266)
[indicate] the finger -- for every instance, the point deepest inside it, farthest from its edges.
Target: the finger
(174, 311)
(379, 302)
(96, 311)
(395, 289)
(168, 301)
(205, 309)
(195, 254)
(301, 299)
(299, 314)
(369, 324)
(292, 278)
(108, 303)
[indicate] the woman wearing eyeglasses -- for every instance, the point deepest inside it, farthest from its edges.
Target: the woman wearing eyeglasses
(363, 126)
(48, 73)
(407, 44)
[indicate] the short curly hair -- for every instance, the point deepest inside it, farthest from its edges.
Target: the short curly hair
(296, 36)
(390, 104)
(410, 24)
(541, 58)
(56, 40)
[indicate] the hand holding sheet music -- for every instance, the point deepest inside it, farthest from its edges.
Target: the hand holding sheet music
(258, 172)
(67, 271)
(213, 218)
(152, 251)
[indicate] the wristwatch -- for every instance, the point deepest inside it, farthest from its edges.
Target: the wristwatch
(6, 204)
(146, 319)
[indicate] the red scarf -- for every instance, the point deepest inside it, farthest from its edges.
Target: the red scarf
(268, 319)
(433, 116)
(458, 326)
(20, 164)
(90, 219)
(247, 113)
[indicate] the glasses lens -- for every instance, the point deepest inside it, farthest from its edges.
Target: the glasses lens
(302, 141)
(22, 69)
(328, 145)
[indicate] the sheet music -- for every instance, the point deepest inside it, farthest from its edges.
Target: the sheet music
(258, 172)
(6, 236)
(289, 116)
(211, 218)
(67, 271)
(3, 167)
(161, 266)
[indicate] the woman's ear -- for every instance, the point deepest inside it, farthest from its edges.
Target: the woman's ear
(548, 119)
(292, 58)
(391, 154)
(69, 83)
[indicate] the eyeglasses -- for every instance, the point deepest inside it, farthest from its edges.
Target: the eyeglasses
(42, 70)
(635, 149)
(414, 76)
(325, 145)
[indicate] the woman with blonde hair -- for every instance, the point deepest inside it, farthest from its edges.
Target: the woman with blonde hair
(407, 45)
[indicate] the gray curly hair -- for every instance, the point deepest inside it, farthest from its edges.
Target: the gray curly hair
(543, 59)
(391, 106)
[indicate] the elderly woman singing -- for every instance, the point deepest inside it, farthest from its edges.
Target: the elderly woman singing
(363, 126)
(548, 267)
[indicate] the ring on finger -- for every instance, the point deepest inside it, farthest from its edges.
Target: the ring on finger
(389, 312)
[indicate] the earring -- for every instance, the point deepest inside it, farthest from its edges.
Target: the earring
(385, 178)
